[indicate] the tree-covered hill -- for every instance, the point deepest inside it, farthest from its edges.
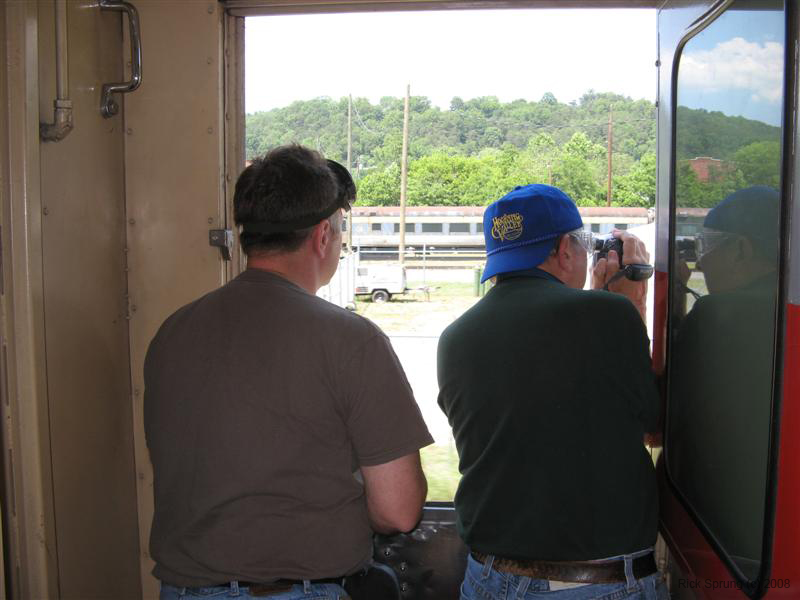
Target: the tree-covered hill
(479, 149)
(703, 132)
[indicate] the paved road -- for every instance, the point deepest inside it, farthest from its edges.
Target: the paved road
(418, 356)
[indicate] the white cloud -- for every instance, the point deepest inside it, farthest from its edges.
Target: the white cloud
(736, 64)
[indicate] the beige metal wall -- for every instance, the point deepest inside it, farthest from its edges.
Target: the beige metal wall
(85, 309)
(103, 235)
(175, 171)
(28, 532)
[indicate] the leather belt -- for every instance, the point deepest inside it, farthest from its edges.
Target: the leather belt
(277, 587)
(573, 571)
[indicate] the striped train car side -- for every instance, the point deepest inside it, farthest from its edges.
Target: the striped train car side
(462, 226)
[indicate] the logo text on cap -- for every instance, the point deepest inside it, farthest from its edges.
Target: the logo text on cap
(507, 227)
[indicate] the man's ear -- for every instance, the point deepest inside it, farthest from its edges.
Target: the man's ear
(321, 238)
(564, 254)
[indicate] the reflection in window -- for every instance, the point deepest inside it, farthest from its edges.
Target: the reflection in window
(722, 336)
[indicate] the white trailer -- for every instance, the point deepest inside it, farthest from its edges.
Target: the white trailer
(340, 289)
(380, 281)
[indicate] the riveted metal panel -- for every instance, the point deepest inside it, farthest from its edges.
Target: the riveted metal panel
(83, 241)
(174, 191)
(234, 126)
(28, 527)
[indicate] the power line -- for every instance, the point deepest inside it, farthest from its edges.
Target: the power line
(358, 116)
(587, 125)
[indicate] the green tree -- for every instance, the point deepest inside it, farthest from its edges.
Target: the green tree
(380, 187)
(576, 178)
(581, 146)
(576, 169)
(516, 143)
(548, 98)
(690, 192)
(760, 163)
(438, 179)
(638, 187)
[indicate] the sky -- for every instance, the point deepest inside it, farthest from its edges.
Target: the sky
(510, 54)
(736, 66)
(733, 66)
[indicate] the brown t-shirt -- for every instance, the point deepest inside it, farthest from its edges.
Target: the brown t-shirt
(261, 400)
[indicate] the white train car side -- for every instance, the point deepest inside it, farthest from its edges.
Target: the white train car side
(462, 226)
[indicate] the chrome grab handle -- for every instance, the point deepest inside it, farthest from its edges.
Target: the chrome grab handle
(108, 106)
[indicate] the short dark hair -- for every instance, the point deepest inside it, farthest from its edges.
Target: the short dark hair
(289, 183)
(347, 187)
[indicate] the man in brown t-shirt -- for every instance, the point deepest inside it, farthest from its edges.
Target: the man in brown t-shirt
(281, 428)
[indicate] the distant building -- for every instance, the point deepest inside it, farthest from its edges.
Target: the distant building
(705, 167)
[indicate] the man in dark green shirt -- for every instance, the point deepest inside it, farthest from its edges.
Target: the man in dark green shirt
(721, 372)
(550, 392)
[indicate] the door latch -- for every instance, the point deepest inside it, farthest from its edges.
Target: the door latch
(222, 239)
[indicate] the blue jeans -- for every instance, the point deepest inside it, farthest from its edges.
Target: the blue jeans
(481, 582)
(301, 591)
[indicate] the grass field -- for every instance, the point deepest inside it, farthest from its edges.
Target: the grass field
(420, 314)
(440, 463)
(417, 312)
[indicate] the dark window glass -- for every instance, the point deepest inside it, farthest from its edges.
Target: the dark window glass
(459, 227)
(409, 227)
(376, 226)
(725, 275)
(431, 228)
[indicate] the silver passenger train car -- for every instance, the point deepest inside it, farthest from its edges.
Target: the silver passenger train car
(461, 227)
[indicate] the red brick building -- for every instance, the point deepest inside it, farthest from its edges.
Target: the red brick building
(705, 166)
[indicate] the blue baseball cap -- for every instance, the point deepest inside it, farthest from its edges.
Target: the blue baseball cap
(752, 212)
(519, 229)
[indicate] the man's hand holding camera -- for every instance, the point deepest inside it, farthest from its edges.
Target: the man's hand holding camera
(604, 272)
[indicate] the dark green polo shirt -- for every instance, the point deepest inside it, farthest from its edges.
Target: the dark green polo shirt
(549, 391)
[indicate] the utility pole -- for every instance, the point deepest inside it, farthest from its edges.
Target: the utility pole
(608, 152)
(349, 130)
(404, 179)
(349, 166)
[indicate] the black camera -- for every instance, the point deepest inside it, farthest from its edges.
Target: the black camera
(634, 272)
(687, 250)
(602, 246)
